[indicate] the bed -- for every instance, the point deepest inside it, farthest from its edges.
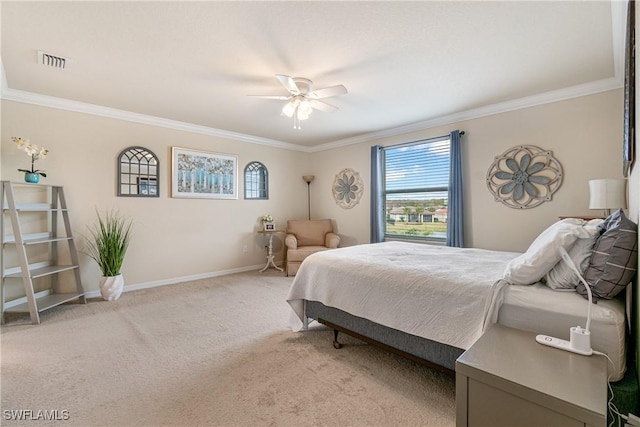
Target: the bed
(431, 303)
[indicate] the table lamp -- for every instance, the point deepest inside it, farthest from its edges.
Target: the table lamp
(607, 194)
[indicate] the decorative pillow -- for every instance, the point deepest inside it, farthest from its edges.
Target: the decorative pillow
(614, 260)
(543, 254)
(562, 277)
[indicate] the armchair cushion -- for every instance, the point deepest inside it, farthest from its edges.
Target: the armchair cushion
(298, 255)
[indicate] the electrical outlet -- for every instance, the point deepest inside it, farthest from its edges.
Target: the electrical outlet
(244, 248)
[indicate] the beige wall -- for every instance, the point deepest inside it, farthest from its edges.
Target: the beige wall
(182, 238)
(173, 238)
(583, 133)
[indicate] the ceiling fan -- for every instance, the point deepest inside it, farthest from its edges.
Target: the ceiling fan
(302, 100)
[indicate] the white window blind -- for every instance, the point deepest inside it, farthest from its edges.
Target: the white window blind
(416, 178)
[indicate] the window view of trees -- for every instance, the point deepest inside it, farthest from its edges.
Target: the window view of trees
(417, 217)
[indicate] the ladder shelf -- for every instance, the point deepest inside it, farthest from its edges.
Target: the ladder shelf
(18, 242)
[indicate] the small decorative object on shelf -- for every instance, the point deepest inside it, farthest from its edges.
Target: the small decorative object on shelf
(267, 221)
(35, 152)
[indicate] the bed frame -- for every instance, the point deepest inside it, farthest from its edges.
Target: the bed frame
(420, 350)
(433, 354)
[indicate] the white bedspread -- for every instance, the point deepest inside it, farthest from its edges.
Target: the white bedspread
(437, 292)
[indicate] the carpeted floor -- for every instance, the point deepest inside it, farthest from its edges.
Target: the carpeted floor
(209, 352)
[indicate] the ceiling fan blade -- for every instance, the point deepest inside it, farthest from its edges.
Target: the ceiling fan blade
(322, 106)
(288, 83)
(328, 91)
(278, 97)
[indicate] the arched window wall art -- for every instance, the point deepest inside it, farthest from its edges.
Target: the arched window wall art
(138, 173)
(256, 181)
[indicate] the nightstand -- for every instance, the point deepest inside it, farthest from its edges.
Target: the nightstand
(506, 378)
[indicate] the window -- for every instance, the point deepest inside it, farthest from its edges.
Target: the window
(256, 181)
(416, 185)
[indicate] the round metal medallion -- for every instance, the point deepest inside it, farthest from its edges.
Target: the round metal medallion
(347, 188)
(524, 177)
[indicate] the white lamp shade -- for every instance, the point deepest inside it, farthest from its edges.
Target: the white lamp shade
(288, 109)
(304, 108)
(607, 194)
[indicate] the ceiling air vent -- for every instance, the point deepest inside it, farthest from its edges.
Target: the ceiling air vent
(54, 61)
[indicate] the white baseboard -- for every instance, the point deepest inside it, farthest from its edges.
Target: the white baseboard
(148, 285)
(176, 280)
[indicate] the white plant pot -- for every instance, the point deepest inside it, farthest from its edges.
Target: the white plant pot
(111, 287)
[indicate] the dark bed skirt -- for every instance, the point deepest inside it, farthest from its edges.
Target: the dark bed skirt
(422, 350)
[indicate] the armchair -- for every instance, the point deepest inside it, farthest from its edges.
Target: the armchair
(305, 237)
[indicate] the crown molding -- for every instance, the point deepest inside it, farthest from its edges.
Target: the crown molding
(577, 91)
(591, 88)
(98, 110)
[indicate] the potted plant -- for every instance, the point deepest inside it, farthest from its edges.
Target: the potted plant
(107, 245)
(35, 152)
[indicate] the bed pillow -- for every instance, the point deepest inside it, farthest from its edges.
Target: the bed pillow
(614, 260)
(561, 276)
(543, 254)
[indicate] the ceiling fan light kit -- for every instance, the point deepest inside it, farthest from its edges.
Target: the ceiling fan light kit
(302, 100)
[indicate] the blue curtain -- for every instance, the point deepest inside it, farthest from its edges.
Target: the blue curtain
(455, 225)
(377, 209)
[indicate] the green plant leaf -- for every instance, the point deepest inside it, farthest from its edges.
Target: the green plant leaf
(108, 242)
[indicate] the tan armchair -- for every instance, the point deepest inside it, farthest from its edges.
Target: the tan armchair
(305, 237)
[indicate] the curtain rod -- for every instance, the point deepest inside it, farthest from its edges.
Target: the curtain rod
(434, 139)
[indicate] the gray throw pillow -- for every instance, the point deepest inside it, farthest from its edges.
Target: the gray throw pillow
(614, 260)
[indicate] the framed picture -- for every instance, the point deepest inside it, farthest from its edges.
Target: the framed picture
(200, 174)
(147, 186)
(629, 138)
(269, 226)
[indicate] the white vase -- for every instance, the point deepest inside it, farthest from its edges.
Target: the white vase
(111, 287)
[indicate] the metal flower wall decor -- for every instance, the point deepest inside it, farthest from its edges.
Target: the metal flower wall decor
(347, 188)
(524, 177)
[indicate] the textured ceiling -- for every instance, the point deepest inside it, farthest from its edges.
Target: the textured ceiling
(403, 63)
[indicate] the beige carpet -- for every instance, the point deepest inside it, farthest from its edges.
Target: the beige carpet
(208, 352)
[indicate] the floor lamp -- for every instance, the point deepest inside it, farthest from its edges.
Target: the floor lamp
(308, 179)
